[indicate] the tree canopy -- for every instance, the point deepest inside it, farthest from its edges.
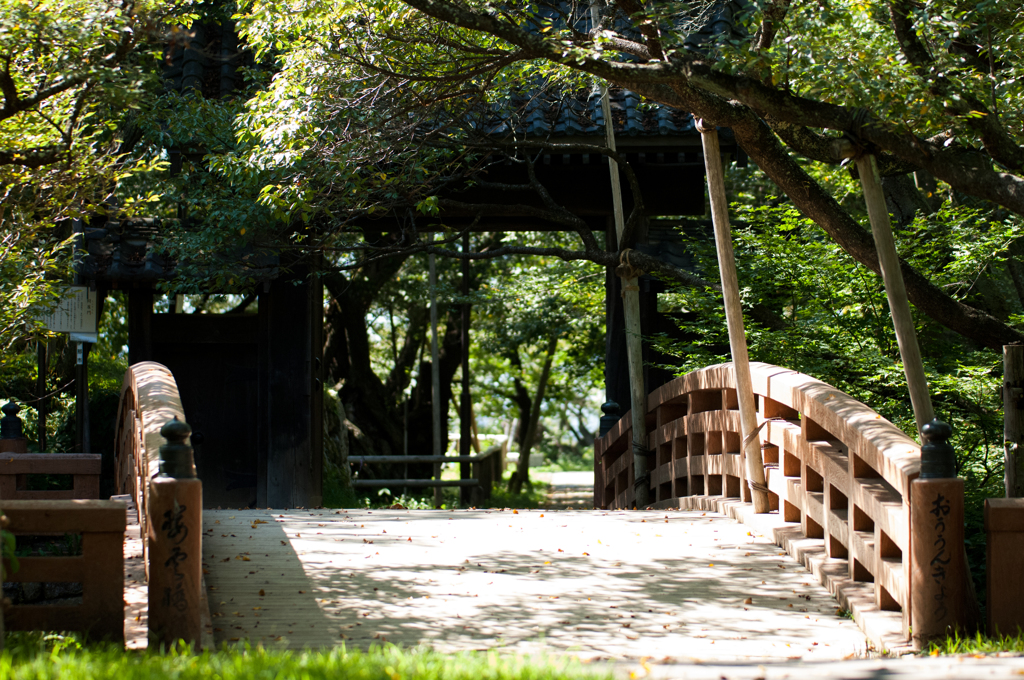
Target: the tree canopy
(357, 125)
(932, 88)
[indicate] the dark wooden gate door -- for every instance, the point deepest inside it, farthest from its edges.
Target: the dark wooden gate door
(215, 359)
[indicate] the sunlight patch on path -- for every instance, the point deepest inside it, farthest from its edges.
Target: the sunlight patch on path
(599, 584)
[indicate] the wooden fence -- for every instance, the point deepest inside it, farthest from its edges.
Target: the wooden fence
(485, 469)
(84, 469)
(99, 568)
(836, 470)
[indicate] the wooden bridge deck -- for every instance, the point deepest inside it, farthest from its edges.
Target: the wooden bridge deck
(600, 584)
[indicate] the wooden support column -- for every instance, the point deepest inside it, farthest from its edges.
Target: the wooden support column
(1013, 419)
(734, 316)
(634, 338)
(140, 323)
(435, 377)
(41, 404)
(83, 437)
(293, 456)
(466, 407)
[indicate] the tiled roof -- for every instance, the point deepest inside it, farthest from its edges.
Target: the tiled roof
(129, 251)
(546, 114)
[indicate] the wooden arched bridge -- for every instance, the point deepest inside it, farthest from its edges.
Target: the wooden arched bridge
(838, 474)
(696, 575)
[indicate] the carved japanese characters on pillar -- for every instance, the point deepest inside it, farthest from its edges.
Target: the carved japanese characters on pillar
(175, 541)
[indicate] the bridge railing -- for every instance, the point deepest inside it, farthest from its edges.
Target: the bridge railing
(169, 504)
(833, 466)
(98, 568)
(149, 398)
(83, 468)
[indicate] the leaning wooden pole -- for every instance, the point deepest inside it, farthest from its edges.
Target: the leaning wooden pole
(942, 597)
(895, 290)
(734, 317)
(631, 314)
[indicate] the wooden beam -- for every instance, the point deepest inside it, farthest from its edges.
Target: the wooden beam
(734, 316)
(414, 483)
(416, 459)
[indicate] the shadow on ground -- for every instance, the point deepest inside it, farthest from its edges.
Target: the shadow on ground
(672, 586)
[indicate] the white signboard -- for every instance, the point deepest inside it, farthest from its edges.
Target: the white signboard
(76, 314)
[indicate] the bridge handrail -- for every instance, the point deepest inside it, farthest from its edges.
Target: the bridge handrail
(99, 567)
(84, 469)
(149, 398)
(832, 464)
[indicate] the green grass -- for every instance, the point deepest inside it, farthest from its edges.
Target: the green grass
(41, 657)
(977, 644)
(501, 498)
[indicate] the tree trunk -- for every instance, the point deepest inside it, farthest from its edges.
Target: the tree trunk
(376, 408)
(522, 475)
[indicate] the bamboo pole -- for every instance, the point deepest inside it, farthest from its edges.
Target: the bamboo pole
(435, 377)
(895, 291)
(734, 316)
(634, 338)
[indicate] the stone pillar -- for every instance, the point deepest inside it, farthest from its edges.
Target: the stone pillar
(939, 588)
(175, 542)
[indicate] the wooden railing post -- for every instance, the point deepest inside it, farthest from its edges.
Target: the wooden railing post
(610, 409)
(939, 590)
(12, 439)
(175, 542)
(3, 525)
